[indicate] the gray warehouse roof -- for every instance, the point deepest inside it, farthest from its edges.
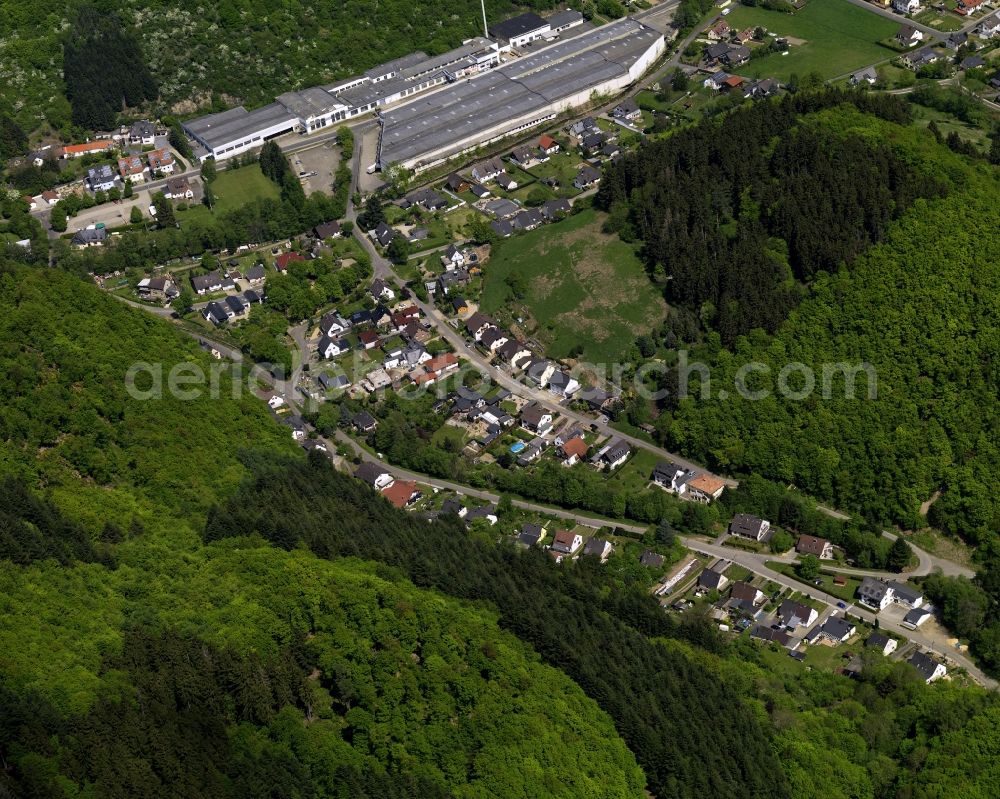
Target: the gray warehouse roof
(389, 67)
(309, 102)
(517, 26)
(236, 123)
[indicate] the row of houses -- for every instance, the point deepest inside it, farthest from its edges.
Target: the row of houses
(131, 169)
(234, 306)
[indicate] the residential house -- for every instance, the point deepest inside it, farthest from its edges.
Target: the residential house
(90, 148)
(881, 643)
(178, 189)
(746, 597)
(905, 595)
(477, 324)
(920, 58)
(968, 7)
(132, 169)
(376, 380)
(457, 183)
(908, 36)
(90, 236)
(835, 630)
(956, 40)
(671, 477)
(971, 62)
(216, 313)
(581, 128)
(380, 290)
(506, 182)
(610, 150)
(282, 261)
(811, 545)
(764, 633)
(567, 542)
(651, 559)
(905, 6)
(327, 230)
(535, 418)
(705, 487)
(929, 668)
(599, 547)
(402, 493)
(495, 416)
(161, 161)
(368, 339)
(101, 178)
(454, 506)
(453, 256)
(480, 192)
(455, 278)
(50, 197)
(563, 385)
(459, 305)
(426, 197)
(548, 145)
(514, 352)
(795, 614)
(719, 31)
(735, 56)
(329, 347)
(252, 297)
(467, 400)
(712, 580)
(502, 208)
(760, 89)
(332, 323)
(555, 209)
(626, 109)
(716, 80)
(540, 371)
(596, 398)
(334, 382)
(142, 132)
(256, 275)
(531, 453)
(915, 618)
(530, 535)
(203, 284)
(237, 305)
(867, 75)
(487, 170)
(990, 26)
(592, 142)
(503, 228)
(488, 512)
(435, 369)
(157, 288)
(382, 234)
(573, 451)
(747, 526)
(493, 339)
(614, 454)
(874, 593)
(523, 155)
(745, 36)
(587, 177)
(375, 474)
(528, 219)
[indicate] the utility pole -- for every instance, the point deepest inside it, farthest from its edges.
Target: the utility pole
(486, 29)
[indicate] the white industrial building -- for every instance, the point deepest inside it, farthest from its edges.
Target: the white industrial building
(485, 99)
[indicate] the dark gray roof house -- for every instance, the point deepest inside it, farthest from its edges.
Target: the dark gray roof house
(652, 559)
(90, 236)
(370, 473)
(327, 230)
(586, 177)
(216, 313)
(364, 422)
(711, 579)
(553, 208)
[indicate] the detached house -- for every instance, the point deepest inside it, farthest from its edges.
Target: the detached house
(614, 455)
(143, 132)
(795, 614)
(178, 189)
(132, 169)
(712, 580)
(572, 451)
(567, 542)
(587, 176)
(705, 488)
(881, 643)
(402, 493)
(380, 290)
(874, 593)
(535, 418)
(626, 109)
(929, 668)
(835, 630)
(811, 545)
(671, 477)
(477, 324)
(599, 547)
(203, 284)
(746, 597)
(161, 161)
(100, 178)
(908, 36)
(990, 26)
(969, 7)
(747, 526)
(906, 6)
(376, 475)
(548, 145)
(487, 170)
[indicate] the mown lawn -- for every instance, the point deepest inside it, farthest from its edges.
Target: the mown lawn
(581, 286)
(839, 38)
(236, 187)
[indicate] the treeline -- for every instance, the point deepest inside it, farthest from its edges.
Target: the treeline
(255, 222)
(970, 608)
(675, 718)
(735, 213)
(104, 69)
(33, 529)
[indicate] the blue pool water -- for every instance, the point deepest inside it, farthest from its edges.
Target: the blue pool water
(517, 447)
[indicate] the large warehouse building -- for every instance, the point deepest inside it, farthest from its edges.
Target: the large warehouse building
(523, 93)
(469, 105)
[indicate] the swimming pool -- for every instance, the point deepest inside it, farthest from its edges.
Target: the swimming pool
(517, 446)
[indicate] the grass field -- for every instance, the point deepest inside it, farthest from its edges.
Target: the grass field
(237, 187)
(582, 287)
(839, 38)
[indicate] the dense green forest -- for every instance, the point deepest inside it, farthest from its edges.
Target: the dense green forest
(735, 218)
(166, 633)
(219, 54)
(128, 648)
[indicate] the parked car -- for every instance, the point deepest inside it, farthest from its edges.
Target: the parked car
(842, 605)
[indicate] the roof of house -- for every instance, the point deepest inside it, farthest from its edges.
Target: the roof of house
(283, 260)
(90, 236)
(836, 627)
(400, 492)
(744, 591)
(877, 639)
(916, 616)
(651, 558)
(547, 142)
(370, 472)
(765, 633)
(564, 538)
(873, 587)
(477, 322)
(327, 229)
(924, 663)
(575, 447)
(595, 546)
(746, 524)
(618, 450)
(363, 419)
(905, 592)
(532, 413)
(707, 484)
(811, 545)
(711, 579)
(791, 609)
(529, 538)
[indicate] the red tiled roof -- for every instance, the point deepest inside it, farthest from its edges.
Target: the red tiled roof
(399, 492)
(282, 261)
(88, 147)
(575, 446)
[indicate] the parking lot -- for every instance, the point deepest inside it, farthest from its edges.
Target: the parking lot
(319, 164)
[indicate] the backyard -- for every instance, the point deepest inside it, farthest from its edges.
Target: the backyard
(581, 286)
(834, 38)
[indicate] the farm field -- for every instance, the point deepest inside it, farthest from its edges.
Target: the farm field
(582, 287)
(838, 38)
